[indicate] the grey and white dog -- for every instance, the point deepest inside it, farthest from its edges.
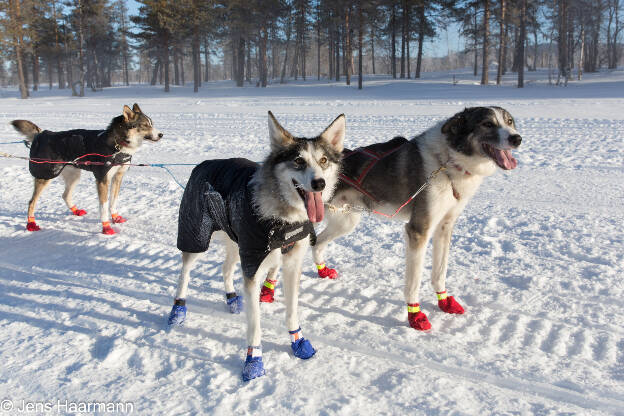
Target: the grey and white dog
(265, 214)
(382, 177)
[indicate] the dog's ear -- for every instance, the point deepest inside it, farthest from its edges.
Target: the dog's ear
(280, 137)
(136, 108)
(455, 125)
(335, 133)
(128, 114)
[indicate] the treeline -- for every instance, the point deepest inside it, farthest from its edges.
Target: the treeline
(82, 44)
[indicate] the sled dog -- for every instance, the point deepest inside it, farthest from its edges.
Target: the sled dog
(383, 176)
(107, 151)
(266, 214)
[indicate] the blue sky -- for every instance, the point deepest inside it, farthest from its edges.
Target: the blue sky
(447, 40)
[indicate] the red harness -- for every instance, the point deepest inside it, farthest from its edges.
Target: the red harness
(374, 157)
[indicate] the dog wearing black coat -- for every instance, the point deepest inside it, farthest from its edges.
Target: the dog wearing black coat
(108, 152)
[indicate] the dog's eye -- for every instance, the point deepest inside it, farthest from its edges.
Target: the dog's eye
(509, 122)
(323, 160)
(299, 161)
(489, 124)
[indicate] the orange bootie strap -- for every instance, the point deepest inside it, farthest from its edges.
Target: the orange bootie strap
(105, 223)
(74, 209)
(31, 219)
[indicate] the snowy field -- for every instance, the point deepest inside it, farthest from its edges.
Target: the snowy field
(537, 259)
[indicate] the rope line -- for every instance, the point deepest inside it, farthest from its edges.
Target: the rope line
(20, 142)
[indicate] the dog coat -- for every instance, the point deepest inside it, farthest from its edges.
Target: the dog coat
(69, 145)
(218, 196)
(356, 164)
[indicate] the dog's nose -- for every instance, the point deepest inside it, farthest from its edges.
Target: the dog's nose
(515, 140)
(160, 135)
(318, 184)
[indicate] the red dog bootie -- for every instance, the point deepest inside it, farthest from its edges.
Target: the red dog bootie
(417, 319)
(31, 225)
(118, 219)
(324, 272)
(107, 229)
(448, 304)
(78, 212)
(268, 291)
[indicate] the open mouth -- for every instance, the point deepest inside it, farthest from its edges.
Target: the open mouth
(151, 138)
(313, 202)
(503, 158)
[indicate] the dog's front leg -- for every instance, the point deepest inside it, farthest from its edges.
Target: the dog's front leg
(417, 236)
(234, 301)
(441, 247)
(102, 189)
(115, 186)
(337, 225)
(292, 274)
(253, 363)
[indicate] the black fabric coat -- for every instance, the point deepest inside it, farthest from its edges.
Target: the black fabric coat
(69, 145)
(218, 196)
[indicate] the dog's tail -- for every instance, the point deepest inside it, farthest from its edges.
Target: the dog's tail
(27, 128)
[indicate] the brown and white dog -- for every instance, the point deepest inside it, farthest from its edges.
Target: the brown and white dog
(108, 152)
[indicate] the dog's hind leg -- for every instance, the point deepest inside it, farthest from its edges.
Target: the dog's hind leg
(40, 185)
(234, 301)
(292, 274)
(178, 312)
(115, 186)
(417, 236)
(441, 246)
(338, 224)
(102, 189)
(71, 176)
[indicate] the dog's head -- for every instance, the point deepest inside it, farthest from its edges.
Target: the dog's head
(306, 169)
(481, 135)
(134, 127)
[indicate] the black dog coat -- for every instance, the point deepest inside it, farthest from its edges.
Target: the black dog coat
(69, 145)
(218, 196)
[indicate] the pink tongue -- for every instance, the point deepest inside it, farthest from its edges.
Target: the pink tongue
(314, 206)
(505, 160)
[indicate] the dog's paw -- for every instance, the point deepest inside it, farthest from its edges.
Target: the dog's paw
(327, 272)
(418, 321)
(302, 349)
(253, 368)
(108, 230)
(78, 212)
(32, 226)
(450, 305)
(118, 219)
(177, 315)
(267, 295)
(235, 304)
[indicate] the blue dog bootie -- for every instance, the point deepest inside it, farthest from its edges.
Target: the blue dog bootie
(178, 313)
(253, 364)
(234, 302)
(301, 347)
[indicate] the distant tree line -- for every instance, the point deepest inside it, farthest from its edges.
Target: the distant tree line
(78, 44)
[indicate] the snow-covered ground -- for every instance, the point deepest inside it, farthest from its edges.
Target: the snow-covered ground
(537, 259)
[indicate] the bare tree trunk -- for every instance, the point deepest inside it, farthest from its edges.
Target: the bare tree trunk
(373, 49)
(206, 60)
(486, 42)
(263, 55)
(348, 44)
(360, 35)
(165, 60)
(421, 39)
(403, 36)
(501, 47)
(337, 48)
(523, 7)
(18, 41)
(476, 44)
(80, 48)
(176, 71)
(35, 67)
(240, 62)
(581, 54)
(57, 49)
(288, 34)
(318, 43)
(196, 63)
(393, 37)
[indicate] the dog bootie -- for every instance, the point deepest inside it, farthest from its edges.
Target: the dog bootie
(178, 313)
(324, 271)
(253, 367)
(107, 229)
(118, 219)
(417, 319)
(448, 304)
(78, 212)
(31, 225)
(301, 347)
(234, 302)
(267, 293)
